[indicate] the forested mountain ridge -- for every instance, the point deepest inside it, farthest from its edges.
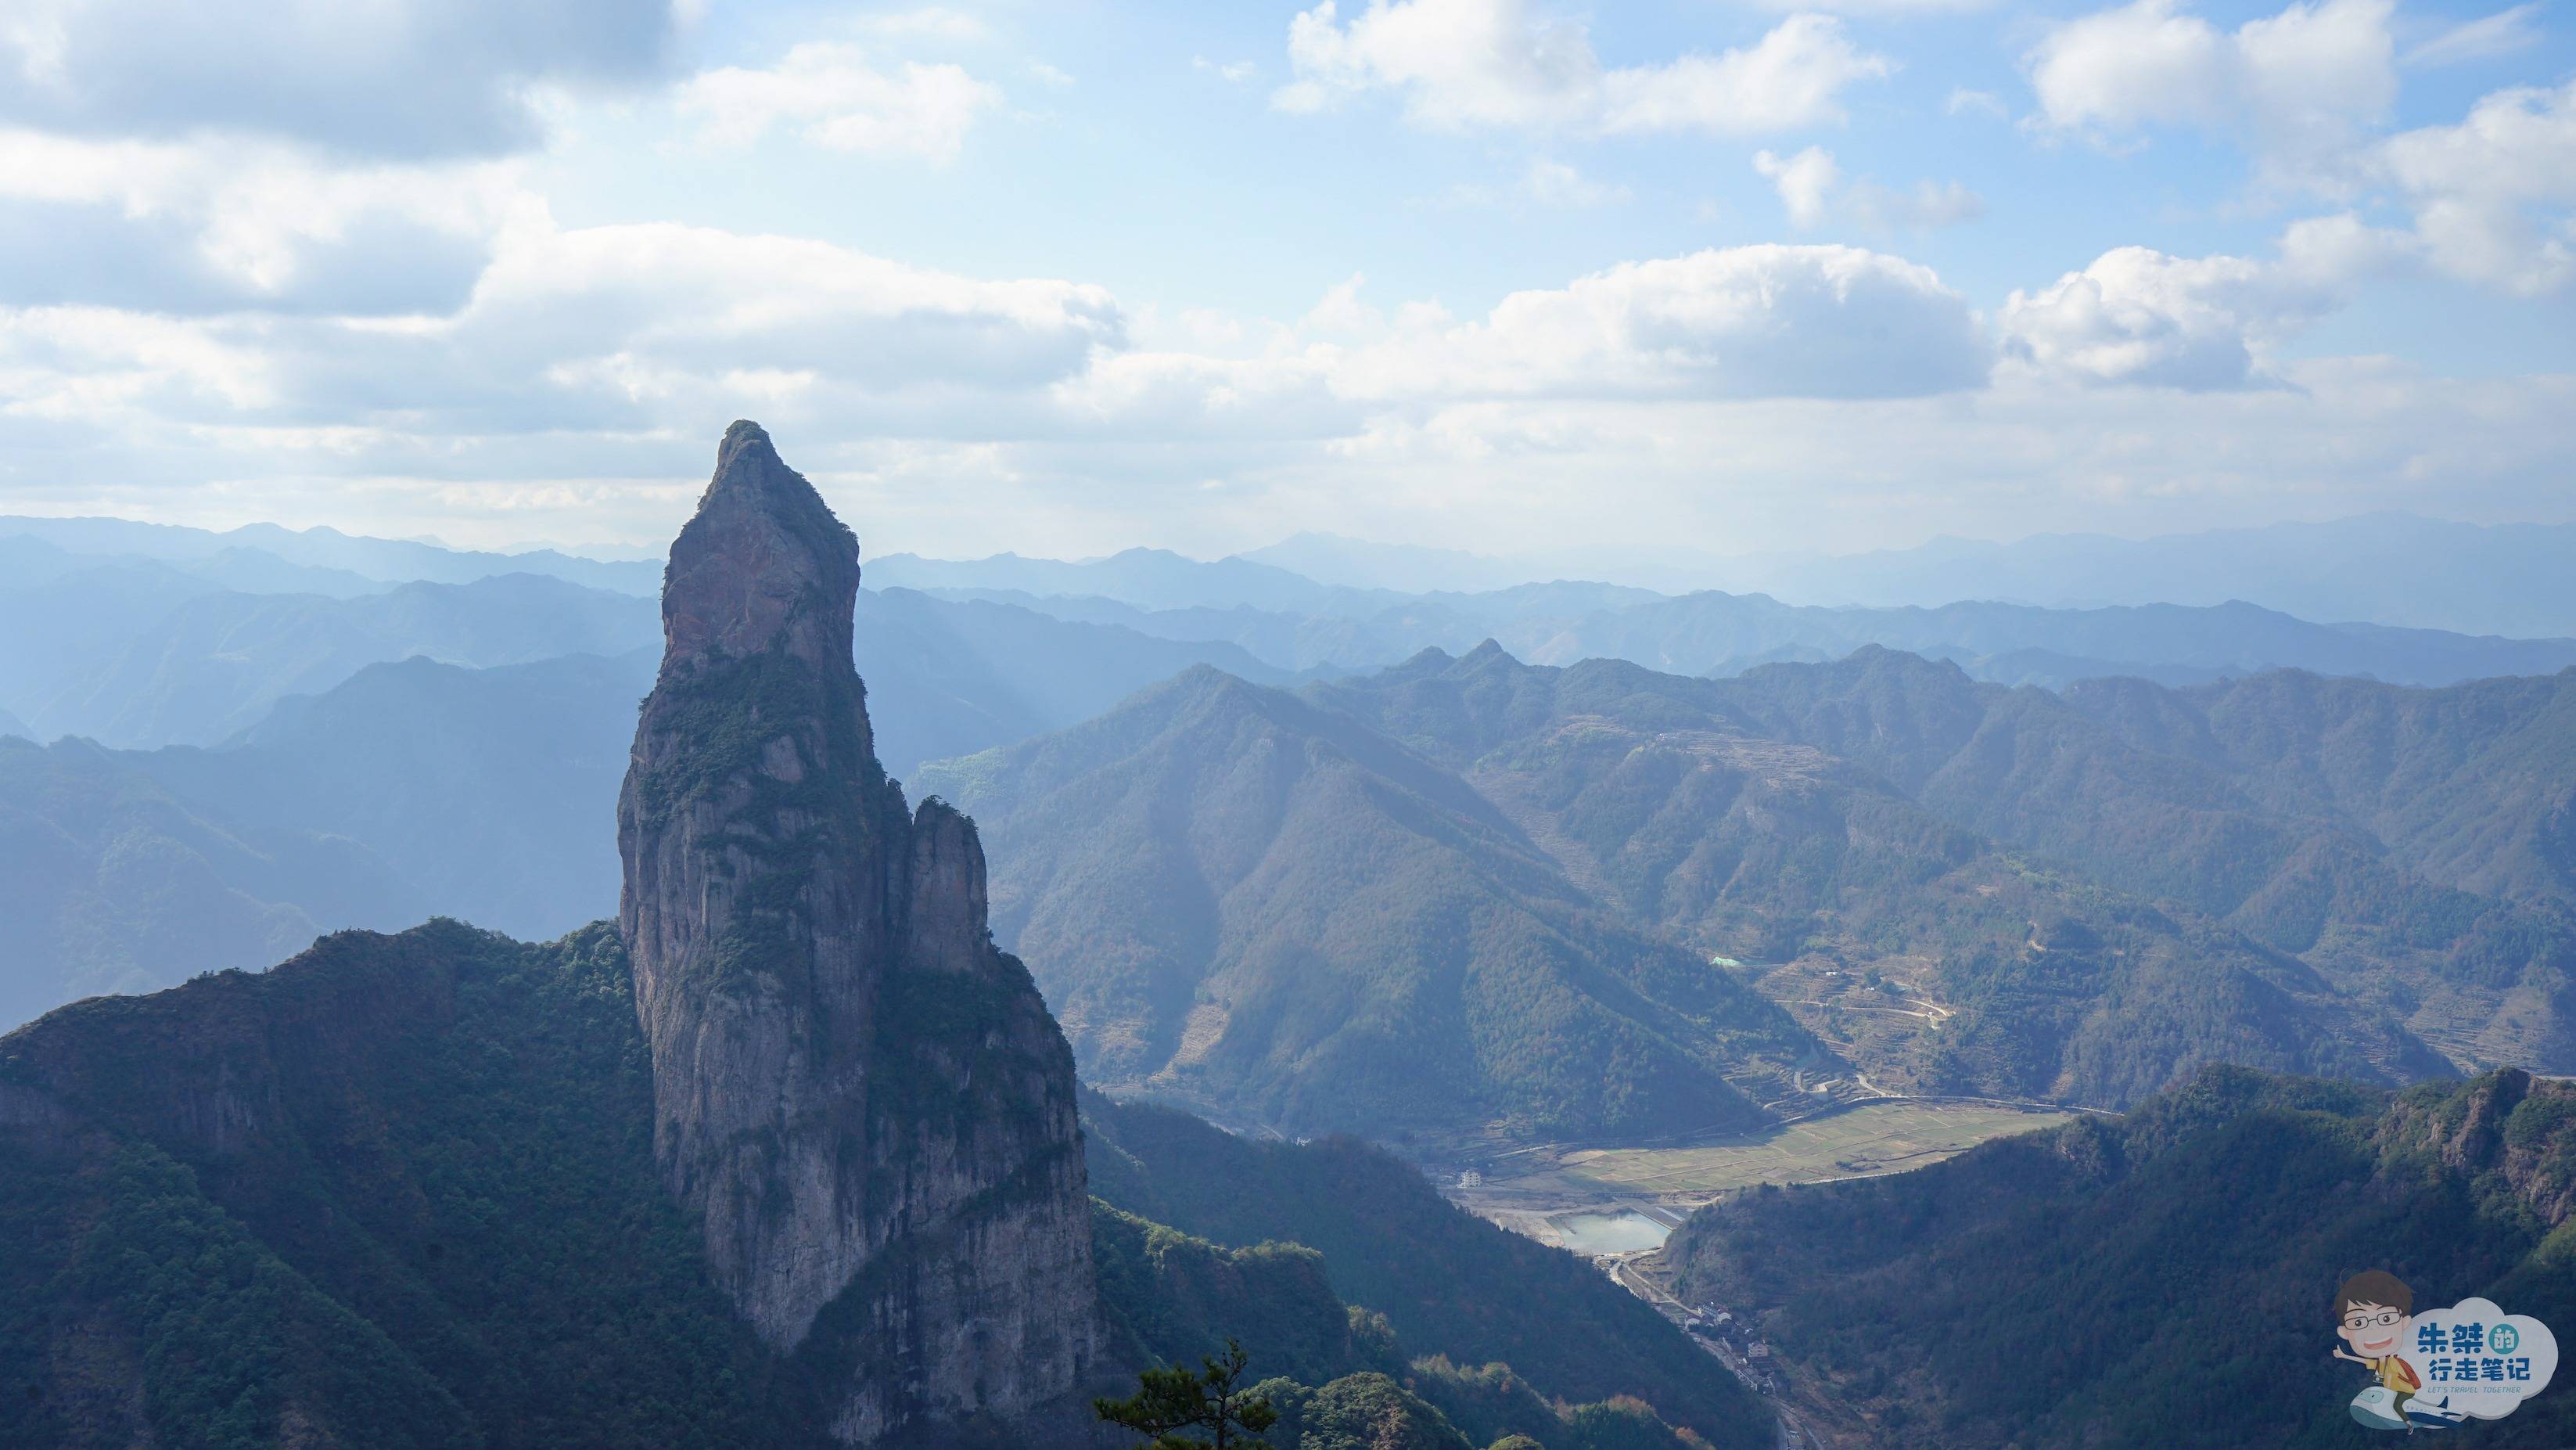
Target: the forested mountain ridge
(1933, 959)
(2165, 1279)
(112, 882)
(1272, 910)
(2472, 787)
(421, 1168)
(2486, 979)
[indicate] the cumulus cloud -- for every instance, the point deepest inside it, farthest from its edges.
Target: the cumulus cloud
(2298, 84)
(1761, 321)
(597, 332)
(1747, 322)
(1478, 64)
(2139, 316)
(1813, 191)
(834, 98)
(217, 225)
(1805, 182)
(2492, 197)
(394, 78)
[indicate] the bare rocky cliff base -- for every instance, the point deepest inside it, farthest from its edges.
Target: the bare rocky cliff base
(863, 1099)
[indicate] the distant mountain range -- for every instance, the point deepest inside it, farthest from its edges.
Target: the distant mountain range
(141, 635)
(414, 786)
(80, 660)
(2382, 568)
(1296, 625)
(269, 559)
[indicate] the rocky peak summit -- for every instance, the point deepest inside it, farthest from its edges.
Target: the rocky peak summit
(763, 564)
(865, 1103)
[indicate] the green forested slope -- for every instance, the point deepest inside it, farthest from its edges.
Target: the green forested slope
(1233, 896)
(1945, 962)
(401, 1191)
(2468, 787)
(2165, 1279)
(419, 1172)
(1454, 1290)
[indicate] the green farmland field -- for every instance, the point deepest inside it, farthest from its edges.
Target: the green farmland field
(1871, 1138)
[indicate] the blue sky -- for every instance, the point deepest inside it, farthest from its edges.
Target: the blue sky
(1490, 273)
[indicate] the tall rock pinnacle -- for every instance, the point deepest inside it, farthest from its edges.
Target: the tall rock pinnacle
(865, 1101)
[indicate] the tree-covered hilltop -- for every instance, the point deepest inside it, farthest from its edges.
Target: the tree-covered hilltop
(2162, 1279)
(399, 1190)
(1231, 894)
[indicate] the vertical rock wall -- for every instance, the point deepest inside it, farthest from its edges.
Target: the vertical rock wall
(865, 1101)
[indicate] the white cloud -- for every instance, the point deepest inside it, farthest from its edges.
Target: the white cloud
(590, 333)
(220, 224)
(1791, 78)
(1761, 321)
(1813, 191)
(1233, 73)
(1805, 182)
(2491, 197)
(835, 99)
(2297, 85)
(399, 78)
(2507, 32)
(2139, 316)
(1474, 64)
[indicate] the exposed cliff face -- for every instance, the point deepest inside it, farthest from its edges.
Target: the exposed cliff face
(865, 1101)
